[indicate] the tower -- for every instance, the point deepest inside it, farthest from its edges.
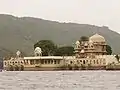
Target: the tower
(18, 53)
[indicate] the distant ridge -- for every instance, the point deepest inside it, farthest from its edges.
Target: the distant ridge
(22, 32)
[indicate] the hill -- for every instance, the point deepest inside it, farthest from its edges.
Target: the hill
(21, 33)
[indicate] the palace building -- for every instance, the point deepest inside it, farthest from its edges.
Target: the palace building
(96, 45)
(89, 53)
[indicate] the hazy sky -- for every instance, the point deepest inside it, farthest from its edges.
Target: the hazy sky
(95, 12)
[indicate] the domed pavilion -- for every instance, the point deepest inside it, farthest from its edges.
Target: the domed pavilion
(96, 45)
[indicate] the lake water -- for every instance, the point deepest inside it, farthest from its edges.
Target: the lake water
(60, 80)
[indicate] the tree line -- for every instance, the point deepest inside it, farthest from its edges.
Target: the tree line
(49, 48)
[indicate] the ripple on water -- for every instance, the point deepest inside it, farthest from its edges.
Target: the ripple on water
(60, 80)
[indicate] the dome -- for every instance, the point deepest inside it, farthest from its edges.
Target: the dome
(77, 43)
(97, 38)
(37, 48)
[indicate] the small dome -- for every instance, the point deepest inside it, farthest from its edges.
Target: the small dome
(86, 44)
(97, 38)
(37, 48)
(18, 53)
(38, 51)
(77, 43)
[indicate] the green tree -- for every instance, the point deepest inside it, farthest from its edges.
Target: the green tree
(84, 38)
(109, 50)
(65, 51)
(117, 57)
(47, 46)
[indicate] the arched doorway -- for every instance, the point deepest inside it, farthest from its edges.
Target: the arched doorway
(16, 68)
(69, 67)
(21, 68)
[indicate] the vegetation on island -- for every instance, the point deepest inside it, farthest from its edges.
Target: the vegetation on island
(84, 38)
(117, 57)
(64, 51)
(49, 48)
(109, 50)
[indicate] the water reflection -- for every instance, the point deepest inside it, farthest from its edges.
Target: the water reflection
(60, 80)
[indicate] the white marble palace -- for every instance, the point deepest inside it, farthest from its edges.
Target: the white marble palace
(90, 53)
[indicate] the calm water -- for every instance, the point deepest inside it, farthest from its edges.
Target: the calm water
(60, 80)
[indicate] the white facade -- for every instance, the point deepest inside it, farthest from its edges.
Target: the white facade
(108, 58)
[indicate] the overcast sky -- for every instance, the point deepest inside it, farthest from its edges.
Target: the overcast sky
(95, 12)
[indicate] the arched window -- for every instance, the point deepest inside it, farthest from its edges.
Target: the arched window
(91, 46)
(21, 62)
(83, 61)
(48, 61)
(51, 61)
(90, 61)
(94, 61)
(54, 61)
(71, 62)
(97, 62)
(80, 60)
(5, 63)
(86, 60)
(45, 61)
